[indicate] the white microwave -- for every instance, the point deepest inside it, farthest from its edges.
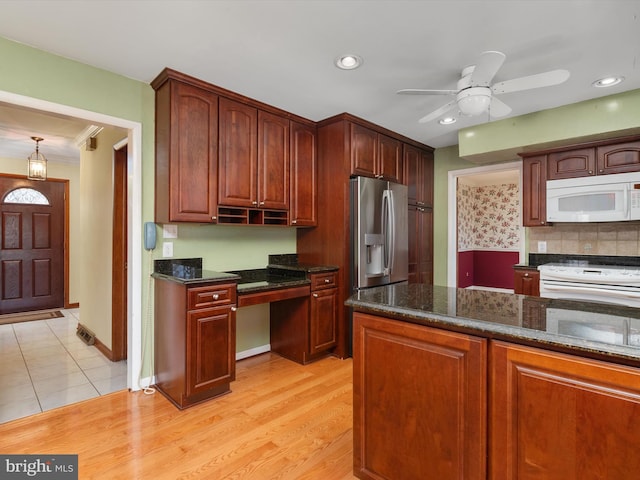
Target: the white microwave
(600, 198)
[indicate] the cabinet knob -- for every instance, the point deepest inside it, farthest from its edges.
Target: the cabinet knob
(526, 274)
(254, 203)
(590, 172)
(233, 309)
(215, 296)
(601, 170)
(294, 221)
(261, 203)
(326, 280)
(214, 218)
(542, 222)
(315, 295)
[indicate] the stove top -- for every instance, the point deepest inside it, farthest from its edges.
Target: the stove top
(608, 272)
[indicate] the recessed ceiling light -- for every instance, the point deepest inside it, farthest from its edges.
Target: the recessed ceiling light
(348, 62)
(447, 121)
(607, 82)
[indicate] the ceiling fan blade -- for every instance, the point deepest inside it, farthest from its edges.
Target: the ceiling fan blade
(421, 91)
(498, 108)
(436, 113)
(546, 79)
(486, 68)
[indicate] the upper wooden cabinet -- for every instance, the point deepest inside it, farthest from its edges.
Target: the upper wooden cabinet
(534, 191)
(602, 159)
(418, 175)
(374, 154)
(186, 153)
(304, 195)
(224, 158)
(253, 158)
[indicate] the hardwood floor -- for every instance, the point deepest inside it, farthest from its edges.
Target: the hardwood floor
(281, 421)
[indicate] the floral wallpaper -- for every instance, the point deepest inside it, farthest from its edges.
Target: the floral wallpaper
(490, 306)
(488, 217)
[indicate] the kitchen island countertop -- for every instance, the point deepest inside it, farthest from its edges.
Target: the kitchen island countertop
(596, 330)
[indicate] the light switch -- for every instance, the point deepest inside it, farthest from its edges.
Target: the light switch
(167, 249)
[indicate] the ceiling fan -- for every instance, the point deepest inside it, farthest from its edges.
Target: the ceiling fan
(475, 94)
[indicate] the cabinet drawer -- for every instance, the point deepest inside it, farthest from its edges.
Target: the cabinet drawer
(204, 297)
(324, 280)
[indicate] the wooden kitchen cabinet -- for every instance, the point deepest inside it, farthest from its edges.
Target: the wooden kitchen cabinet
(419, 402)
(195, 340)
(186, 151)
(619, 157)
(534, 191)
(575, 163)
(374, 154)
(420, 228)
(559, 417)
(418, 175)
(303, 208)
(526, 282)
(305, 329)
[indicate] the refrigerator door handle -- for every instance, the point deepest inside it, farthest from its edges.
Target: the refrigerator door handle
(388, 230)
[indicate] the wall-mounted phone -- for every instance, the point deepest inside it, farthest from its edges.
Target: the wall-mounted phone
(149, 235)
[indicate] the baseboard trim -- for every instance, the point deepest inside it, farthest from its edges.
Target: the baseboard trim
(253, 351)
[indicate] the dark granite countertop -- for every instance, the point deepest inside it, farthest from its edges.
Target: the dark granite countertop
(537, 259)
(271, 278)
(596, 330)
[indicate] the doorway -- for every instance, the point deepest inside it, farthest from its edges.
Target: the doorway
(470, 248)
(134, 217)
(32, 247)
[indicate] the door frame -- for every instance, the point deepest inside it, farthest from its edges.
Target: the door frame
(452, 221)
(134, 218)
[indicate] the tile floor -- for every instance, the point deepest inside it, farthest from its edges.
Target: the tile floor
(44, 365)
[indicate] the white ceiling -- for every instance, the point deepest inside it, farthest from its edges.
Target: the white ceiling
(281, 52)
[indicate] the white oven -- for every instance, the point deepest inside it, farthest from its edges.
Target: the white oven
(597, 283)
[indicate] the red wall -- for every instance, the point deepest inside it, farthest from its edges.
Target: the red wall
(486, 268)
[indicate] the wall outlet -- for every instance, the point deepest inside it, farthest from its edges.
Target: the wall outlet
(167, 249)
(542, 247)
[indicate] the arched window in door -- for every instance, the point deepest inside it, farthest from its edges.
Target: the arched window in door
(26, 196)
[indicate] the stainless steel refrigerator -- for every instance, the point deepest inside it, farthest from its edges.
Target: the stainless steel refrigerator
(380, 250)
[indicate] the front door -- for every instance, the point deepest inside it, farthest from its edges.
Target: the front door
(32, 245)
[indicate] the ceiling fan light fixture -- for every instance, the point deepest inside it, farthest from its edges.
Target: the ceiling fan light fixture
(474, 101)
(348, 62)
(447, 121)
(37, 163)
(607, 81)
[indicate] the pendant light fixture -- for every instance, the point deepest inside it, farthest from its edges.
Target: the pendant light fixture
(36, 163)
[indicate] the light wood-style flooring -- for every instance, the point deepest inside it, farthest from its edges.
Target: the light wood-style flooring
(281, 421)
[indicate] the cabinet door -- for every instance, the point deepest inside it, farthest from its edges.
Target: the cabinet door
(571, 164)
(186, 154)
(389, 165)
(418, 175)
(419, 402)
(526, 282)
(273, 161)
(363, 151)
(237, 174)
(323, 320)
(304, 181)
(534, 191)
(211, 349)
(559, 417)
(619, 158)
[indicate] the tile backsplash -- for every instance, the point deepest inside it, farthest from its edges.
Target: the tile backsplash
(620, 238)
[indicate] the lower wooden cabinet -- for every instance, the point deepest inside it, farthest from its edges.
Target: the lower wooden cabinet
(561, 417)
(526, 282)
(195, 340)
(419, 402)
(305, 329)
(422, 410)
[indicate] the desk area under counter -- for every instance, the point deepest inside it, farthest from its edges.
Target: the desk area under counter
(491, 387)
(195, 320)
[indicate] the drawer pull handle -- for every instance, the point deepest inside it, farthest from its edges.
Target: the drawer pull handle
(215, 296)
(326, 280)
(315, 295)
